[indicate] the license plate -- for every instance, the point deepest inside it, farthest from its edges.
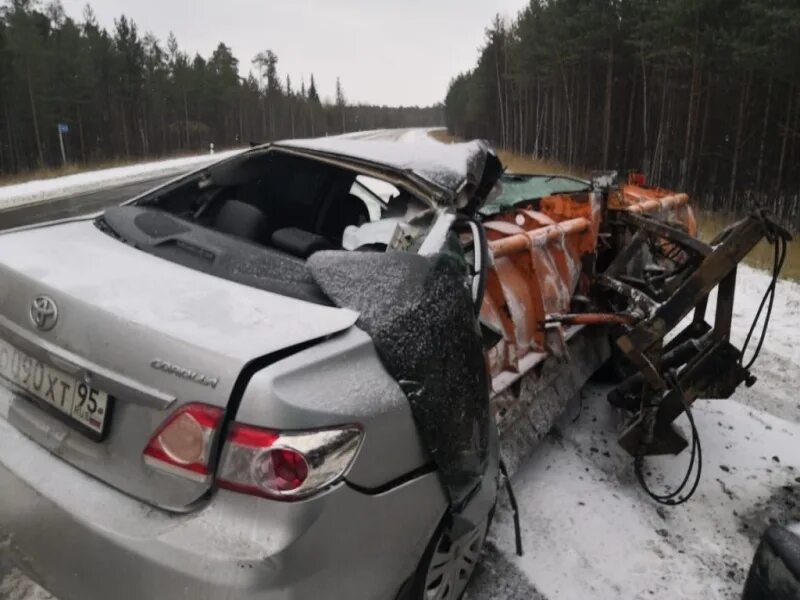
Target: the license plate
(81, 403)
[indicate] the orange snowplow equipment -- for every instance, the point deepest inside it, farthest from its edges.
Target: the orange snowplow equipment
(673, 207)
(538, 265)
(538, 260)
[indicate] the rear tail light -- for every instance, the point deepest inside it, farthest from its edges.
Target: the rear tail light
(182, 445)
(286, 465)
(257, 461)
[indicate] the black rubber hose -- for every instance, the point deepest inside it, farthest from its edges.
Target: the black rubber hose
(514, 508)
(674, 498)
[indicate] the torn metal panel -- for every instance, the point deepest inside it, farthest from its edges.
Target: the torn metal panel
(419, 312)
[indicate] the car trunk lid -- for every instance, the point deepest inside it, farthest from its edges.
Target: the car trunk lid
(152, 334)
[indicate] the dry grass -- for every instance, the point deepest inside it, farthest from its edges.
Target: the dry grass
(517, 163)
(44, 173)
(74, 168)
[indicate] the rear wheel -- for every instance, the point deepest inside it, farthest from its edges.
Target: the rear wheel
(448, 563)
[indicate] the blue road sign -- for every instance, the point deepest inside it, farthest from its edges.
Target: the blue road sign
(63, 128)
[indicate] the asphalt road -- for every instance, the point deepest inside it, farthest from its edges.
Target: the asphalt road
(78, 204)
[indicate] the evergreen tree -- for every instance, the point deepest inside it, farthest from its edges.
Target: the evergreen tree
(313, 96)
(341, 103)
(703, 95)
(124, 94)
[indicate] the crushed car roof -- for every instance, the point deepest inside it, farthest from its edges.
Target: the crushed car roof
(448, 166)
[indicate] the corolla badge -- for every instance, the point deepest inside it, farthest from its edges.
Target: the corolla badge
(44, 313)
(184, 373)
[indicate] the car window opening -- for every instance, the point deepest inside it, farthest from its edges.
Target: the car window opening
(298, 205)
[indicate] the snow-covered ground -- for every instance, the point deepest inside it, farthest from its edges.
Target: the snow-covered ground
(31, 192)
(589, 531)
(410, 134)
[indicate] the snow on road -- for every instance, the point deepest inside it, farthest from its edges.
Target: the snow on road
(590, 532)
(31, 192)
(411, 134)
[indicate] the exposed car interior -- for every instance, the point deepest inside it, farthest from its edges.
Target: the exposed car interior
(256, 218)
(290, 203)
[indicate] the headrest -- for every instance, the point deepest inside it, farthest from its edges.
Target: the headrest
(242, 220)
(299, 242)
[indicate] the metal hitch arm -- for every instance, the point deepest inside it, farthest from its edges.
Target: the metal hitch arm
(700, 361)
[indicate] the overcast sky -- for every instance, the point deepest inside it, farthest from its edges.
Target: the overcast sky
(385, 51)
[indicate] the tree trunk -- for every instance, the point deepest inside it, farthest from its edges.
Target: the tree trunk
(11, 145)
(554, 109)
(271, 107)
(538, 118)
(695, 126)
(186, 118)
(607, 109)
(690, 117)
(645, 146)
(507, 95)
(795, 127)
(743, 98)
(35, 118)
(124, 131)
(143, 136)
(698, 154)
(521, 108)
(629, 124)
(263, 119)
(163, 127)
(80, 132)
(568, 102)
(500, 103)
(575, 104)
(587, 117)
(786, 131)
(655, 167)
(764, 125)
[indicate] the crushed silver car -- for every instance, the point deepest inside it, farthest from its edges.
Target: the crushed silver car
(264, 379)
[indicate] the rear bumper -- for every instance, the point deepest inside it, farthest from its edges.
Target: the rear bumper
(775, 573)
(83, 540)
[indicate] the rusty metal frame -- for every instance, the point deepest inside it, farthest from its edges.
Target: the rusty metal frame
(718, 267)
(700, 361)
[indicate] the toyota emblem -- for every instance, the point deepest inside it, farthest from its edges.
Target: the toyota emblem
(44, 313)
